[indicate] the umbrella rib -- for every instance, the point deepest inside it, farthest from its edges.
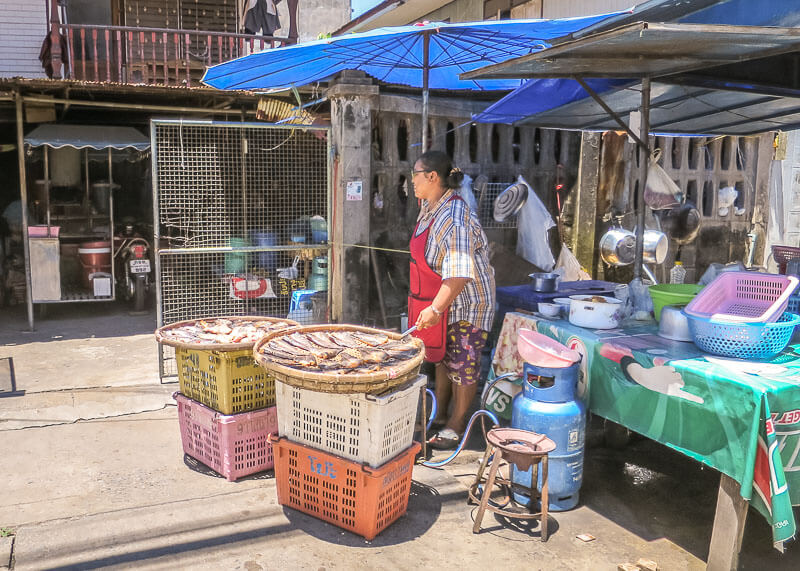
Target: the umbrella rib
(510, 46)
(384, 61)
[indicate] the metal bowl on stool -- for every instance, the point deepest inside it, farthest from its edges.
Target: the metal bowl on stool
(674, 324)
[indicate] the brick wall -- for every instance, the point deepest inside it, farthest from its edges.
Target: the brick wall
(23, 26)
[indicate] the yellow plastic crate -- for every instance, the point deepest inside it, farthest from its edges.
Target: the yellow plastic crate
(230, 382)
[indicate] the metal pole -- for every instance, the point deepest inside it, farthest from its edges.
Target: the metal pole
(136, 107)
(426, 44)
(23, 194)
(111, 221)
(644, 160)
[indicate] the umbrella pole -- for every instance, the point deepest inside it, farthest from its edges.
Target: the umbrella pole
(644, 161)
(426, 43)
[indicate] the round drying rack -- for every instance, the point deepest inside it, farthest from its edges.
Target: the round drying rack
(326, 382)
(205, 346)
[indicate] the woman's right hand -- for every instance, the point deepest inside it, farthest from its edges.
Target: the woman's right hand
(427, 318)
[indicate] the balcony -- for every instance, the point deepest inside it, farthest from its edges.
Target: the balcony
(152, 56)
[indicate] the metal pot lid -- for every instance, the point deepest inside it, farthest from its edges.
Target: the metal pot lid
(509, 202)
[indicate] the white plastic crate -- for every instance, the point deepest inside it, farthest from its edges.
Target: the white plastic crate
(364, 428)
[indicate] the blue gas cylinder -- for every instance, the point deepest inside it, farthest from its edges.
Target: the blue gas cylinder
(548, 405)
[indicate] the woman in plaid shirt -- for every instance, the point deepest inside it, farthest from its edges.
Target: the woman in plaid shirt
(452, 290)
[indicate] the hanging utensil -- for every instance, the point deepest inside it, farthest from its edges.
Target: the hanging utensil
(509, 202)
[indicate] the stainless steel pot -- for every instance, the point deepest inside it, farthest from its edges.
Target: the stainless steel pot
(544, 283)
(656, 246)
(674, 324)
(618, 247)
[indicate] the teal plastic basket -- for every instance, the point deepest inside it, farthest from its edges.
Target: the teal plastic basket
(743, 340)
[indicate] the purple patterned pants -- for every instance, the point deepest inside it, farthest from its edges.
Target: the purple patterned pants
(463, 352)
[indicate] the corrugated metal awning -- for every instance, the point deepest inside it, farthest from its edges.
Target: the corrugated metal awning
(697, 73)
(645, 49)
(87, 137)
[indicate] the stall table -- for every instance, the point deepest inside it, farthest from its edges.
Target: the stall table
(741, 418)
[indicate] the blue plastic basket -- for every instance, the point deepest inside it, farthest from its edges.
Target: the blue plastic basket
(743, 340)
(794, 304)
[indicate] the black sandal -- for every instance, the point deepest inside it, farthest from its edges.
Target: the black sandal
(447, 442)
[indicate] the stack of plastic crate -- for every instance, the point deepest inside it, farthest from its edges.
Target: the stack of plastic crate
(226, 408)
(347, 458)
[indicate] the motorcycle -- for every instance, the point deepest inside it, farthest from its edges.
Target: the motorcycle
(133, 266)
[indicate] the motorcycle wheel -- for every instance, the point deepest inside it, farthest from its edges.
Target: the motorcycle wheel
(139, 291)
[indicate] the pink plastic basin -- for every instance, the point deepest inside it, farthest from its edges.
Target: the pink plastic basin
(542, 351)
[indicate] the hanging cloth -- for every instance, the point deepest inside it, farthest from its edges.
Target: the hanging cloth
(260, 15)
(533, 225)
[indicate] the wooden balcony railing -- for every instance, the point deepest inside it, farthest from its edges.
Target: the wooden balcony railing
(148, 55)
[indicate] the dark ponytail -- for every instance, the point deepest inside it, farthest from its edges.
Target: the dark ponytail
(440, 163)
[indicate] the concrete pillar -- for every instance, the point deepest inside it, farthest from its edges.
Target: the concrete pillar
(585, 221)
(352, 98)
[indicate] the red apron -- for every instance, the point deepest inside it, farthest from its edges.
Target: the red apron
(424, 284)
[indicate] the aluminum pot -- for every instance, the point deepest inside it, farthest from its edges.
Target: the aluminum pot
(544, 283)
(618, 247)
(656, 247)
(674, 324)
(605, 314)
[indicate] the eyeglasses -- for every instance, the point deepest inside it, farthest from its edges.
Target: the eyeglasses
(413, 172)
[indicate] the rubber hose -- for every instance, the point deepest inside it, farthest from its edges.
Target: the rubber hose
(433, 409)
(464, 438)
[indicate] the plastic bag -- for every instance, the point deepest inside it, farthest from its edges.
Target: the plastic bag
(465, 192)
(532, 227)
(660, 192)
(568, 266)
(291, 272)
(726, 196)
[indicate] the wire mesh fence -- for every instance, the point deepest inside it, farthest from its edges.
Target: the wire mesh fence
(485, 194)
(242, 221)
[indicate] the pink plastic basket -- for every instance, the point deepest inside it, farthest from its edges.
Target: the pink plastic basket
(233, 445)
(743, 297)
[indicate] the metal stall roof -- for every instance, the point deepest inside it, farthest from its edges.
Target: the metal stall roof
(647, 49)
(87, 137)
(690, 92)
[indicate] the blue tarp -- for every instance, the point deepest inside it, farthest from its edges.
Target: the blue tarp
(395, 55)
(539, 95)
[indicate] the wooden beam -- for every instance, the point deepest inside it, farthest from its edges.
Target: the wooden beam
(729, 520)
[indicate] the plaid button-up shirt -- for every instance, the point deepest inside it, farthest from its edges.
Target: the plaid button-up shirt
(457, 248)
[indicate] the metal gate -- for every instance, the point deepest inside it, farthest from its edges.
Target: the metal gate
(241, 221)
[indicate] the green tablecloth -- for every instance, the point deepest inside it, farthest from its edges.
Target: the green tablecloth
(739, 417)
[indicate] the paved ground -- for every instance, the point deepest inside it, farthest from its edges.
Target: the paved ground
(94, 477)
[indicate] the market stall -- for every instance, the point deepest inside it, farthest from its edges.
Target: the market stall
(71, 243)
(683, 78)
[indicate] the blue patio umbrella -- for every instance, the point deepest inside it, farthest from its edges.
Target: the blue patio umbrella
(427, 55)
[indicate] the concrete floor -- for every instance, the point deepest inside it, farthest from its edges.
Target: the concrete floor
(94, 477)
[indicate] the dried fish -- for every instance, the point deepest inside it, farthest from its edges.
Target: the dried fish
(223, 331)
(322, 339)
(339, 352)
(368, 355)
(371, 339)
(345, 339)
(291, 359)
(299, 340)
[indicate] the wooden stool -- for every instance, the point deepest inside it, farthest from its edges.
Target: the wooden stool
(523, 449)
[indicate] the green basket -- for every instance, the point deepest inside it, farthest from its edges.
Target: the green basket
(672, 294)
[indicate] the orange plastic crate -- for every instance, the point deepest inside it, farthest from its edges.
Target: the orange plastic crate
(347, 494)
